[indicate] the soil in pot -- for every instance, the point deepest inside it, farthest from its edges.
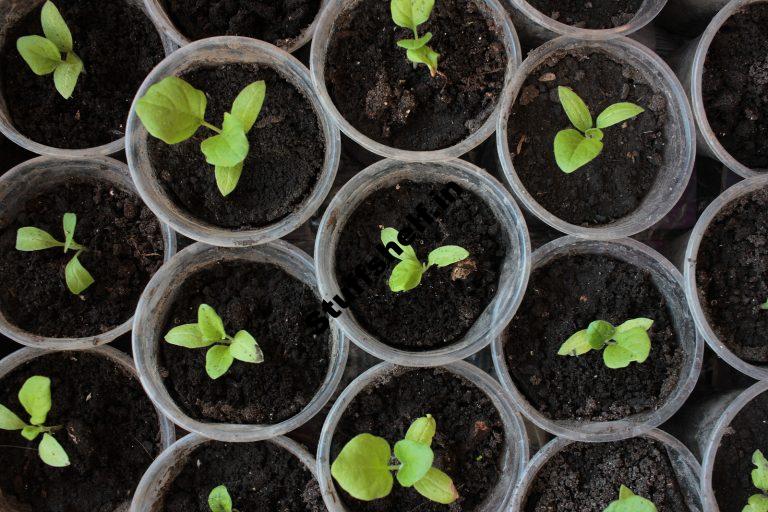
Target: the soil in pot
(124, 248)
(591, 14)
(118, 45)
(286, 157)
(612, 185)
(734, 85)
(449, 300)
(383, 95)
(110, 433)
(563, 297)
(468, 446)
(268, 303)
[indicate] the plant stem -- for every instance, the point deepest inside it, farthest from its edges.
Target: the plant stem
(211, 127)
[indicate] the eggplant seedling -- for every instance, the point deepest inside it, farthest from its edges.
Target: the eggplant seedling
(220, 501)
(630, 502)
(620, 345)
(35, 239)
(172, 111)
(35, 397)
(410, 14)
(364, 466)
(209, 332)
(759, 502)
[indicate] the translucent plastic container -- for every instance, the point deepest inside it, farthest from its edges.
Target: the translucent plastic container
(221, 51)
(322, 39)
(154, 308)
(672, 177)
(513, 460)
(45, 173)
(514, 271)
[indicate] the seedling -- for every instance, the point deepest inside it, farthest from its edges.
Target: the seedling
(172, 111)
(407, 274)
(764, 305)
(630, 502)
(209, 332)
(364, 466)
(220, 501)
(35, 397)
(43, 54)
(410, 14)
(759, 502)
(576, 148)
(621, 345)
(34, 239)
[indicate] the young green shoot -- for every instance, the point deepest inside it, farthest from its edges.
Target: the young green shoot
(630, 502)
(172, 111)
(576, 148)
(34, 239)
(364, 466)
(764, 305)
(43, 54)
(407, 274)
(410, 14)
(220, 501)
(209, 332)
(35, 397)
(620, 345)
(759, 502)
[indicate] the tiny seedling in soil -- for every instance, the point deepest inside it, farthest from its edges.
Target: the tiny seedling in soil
(364, 466)
(43, 54)
(621, 345)
(764, 305)
(759, 502)
(407, 274)
(172, 111)
(220, 501)
(410, 14)
(35, 397)
(576, 148)
(209, 330)
(35, 239)
(630, 502)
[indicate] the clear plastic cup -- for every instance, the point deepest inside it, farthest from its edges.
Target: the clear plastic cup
(686, 15)
(514, 271)
(322, 39)
(155, 305)
(669, 283)
(672, 177)
(513, 460)
(45, 172)
(221, 51)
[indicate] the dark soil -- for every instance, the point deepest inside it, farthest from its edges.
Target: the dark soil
(287, 152)
(563, 297)
(258, 476)
(378, 90)
(124, 248)
(110, 433)
(586, 477)
(615, 183)
(268, 303)
(468, 445)
(732, 276)
(119, 46)
(592, 14)
(448, 301)
(735, 86)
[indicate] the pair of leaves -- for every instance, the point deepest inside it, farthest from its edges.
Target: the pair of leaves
(410, 14)
(630, 502)
(621, 345)
(759, 502)
(219, 500)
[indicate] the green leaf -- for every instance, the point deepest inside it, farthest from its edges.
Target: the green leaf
(424, 55)
(244, 348)
(573, 150)
(643, 323)
(594, 133)
(210, 323)
(406, 276)
(575, 108)
(69, 223)
(437, 486)
(415, 44)
(77, 277)
(415, 458)
(599, 332)
(66, 74)
(30, 432)
(34, 239)
(760, 474)
(631, 345)
(411, 13)
(55, 28)
(52, 453)
(247, 105)
(422, 430)
(362, 467)
(35, 397)
(219, 500)
(757, 503)
(447, 255)
(629, 502)
(228, 148)
(9, 421)
(42, 56)
(187, 336)
(228, 177)
(218, 359)
(576, 345)
(389, 235)
(172, 110)
(764, 305)
(617, 113)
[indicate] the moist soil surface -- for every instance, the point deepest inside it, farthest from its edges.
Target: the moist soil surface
(448, 300)
(124, 248)
(586, 477)
(614, 184)
(109, 431)
(268, 303)
(731, 270)
(287, 152)
(380, 92)
(468, 446)
(592, 14)
(735, 86)
(563, 297)
(118, 45)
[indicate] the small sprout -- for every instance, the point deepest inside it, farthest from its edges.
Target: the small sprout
(764, 305)
(35, 397)
(34, 239)
(622, 345)
(410, 14)
(407, 274)
(220, 501)
(759, 502)
(43, 54)
(576, 148)
(364, 466)
(172, 111)
(630, 502)
(209, 330)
